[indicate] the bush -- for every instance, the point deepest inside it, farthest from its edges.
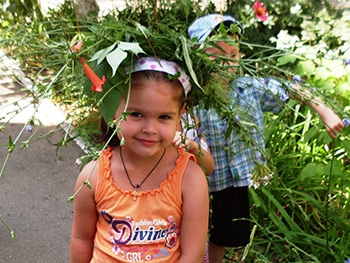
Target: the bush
(301, 215)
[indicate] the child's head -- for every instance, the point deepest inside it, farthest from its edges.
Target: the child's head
(158, 92)
(203, 26)
(208, 25)
(150, 68)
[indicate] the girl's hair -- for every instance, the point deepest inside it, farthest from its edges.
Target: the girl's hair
(178, 91)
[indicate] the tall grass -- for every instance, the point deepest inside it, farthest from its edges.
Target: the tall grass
(300, 216)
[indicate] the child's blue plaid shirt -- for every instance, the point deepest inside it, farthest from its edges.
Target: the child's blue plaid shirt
(234, 158)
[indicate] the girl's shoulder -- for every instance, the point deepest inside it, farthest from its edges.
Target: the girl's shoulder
(89, 174)
(193, 176)
(179, 162)
(192, 169)
(183, 158)
(92, 167)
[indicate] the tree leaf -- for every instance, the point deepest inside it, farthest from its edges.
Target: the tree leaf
(101, 54)
(308, 52)
(110, 104)
(11, 145)
(289, 58)
(346, 144)
(109, 98)
(334, 168)
(305, 68)
(322, 73)
(132, 47)
(189, 62)
(115, 58)
(311, 170)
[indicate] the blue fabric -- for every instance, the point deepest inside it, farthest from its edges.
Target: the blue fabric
(203, 26)
(236, 155)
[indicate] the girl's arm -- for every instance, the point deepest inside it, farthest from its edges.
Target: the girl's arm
(202, 153)
(84, 217)
(195, 213)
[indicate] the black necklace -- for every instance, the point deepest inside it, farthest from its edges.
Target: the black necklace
(137, 186)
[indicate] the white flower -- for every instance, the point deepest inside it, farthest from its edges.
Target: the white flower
(78, 162)
(295, 9)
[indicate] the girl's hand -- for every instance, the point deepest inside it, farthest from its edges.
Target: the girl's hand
(203, 155)
(181, 141)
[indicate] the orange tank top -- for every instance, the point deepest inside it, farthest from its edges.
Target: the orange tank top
(143, 230)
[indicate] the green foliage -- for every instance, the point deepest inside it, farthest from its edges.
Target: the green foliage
(19, 9)
(302, 213)
(302, 216)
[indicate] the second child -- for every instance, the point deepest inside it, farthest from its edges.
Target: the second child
(234, 161)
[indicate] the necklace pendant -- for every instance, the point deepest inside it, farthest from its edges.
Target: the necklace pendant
(134, 194)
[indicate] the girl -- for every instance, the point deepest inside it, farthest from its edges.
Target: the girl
(148, 200)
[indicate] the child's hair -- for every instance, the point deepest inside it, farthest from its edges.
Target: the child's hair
(175, 84)
(179, 92)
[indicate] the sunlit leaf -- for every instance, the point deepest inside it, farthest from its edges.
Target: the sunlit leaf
(132, 47)
(305, 68)
(290, 58)
(115, 58)
(189, 62)
(322, 73)
(101, 54)
(307, 51)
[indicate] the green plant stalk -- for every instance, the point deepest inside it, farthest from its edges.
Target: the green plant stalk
(27, 123)
(251, 239)
(10, 151)
(12, 233)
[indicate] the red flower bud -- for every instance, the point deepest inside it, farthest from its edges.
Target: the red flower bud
(95, 80)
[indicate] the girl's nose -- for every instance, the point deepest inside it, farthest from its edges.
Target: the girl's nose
(149, 127)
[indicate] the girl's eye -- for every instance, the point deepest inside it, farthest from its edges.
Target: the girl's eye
(164, 117)
(136, 114)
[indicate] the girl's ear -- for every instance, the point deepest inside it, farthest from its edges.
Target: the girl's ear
(183, 109)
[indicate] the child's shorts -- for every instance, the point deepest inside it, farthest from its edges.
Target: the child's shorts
(227, 205)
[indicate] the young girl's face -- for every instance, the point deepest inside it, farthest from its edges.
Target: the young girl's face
(155, 113)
